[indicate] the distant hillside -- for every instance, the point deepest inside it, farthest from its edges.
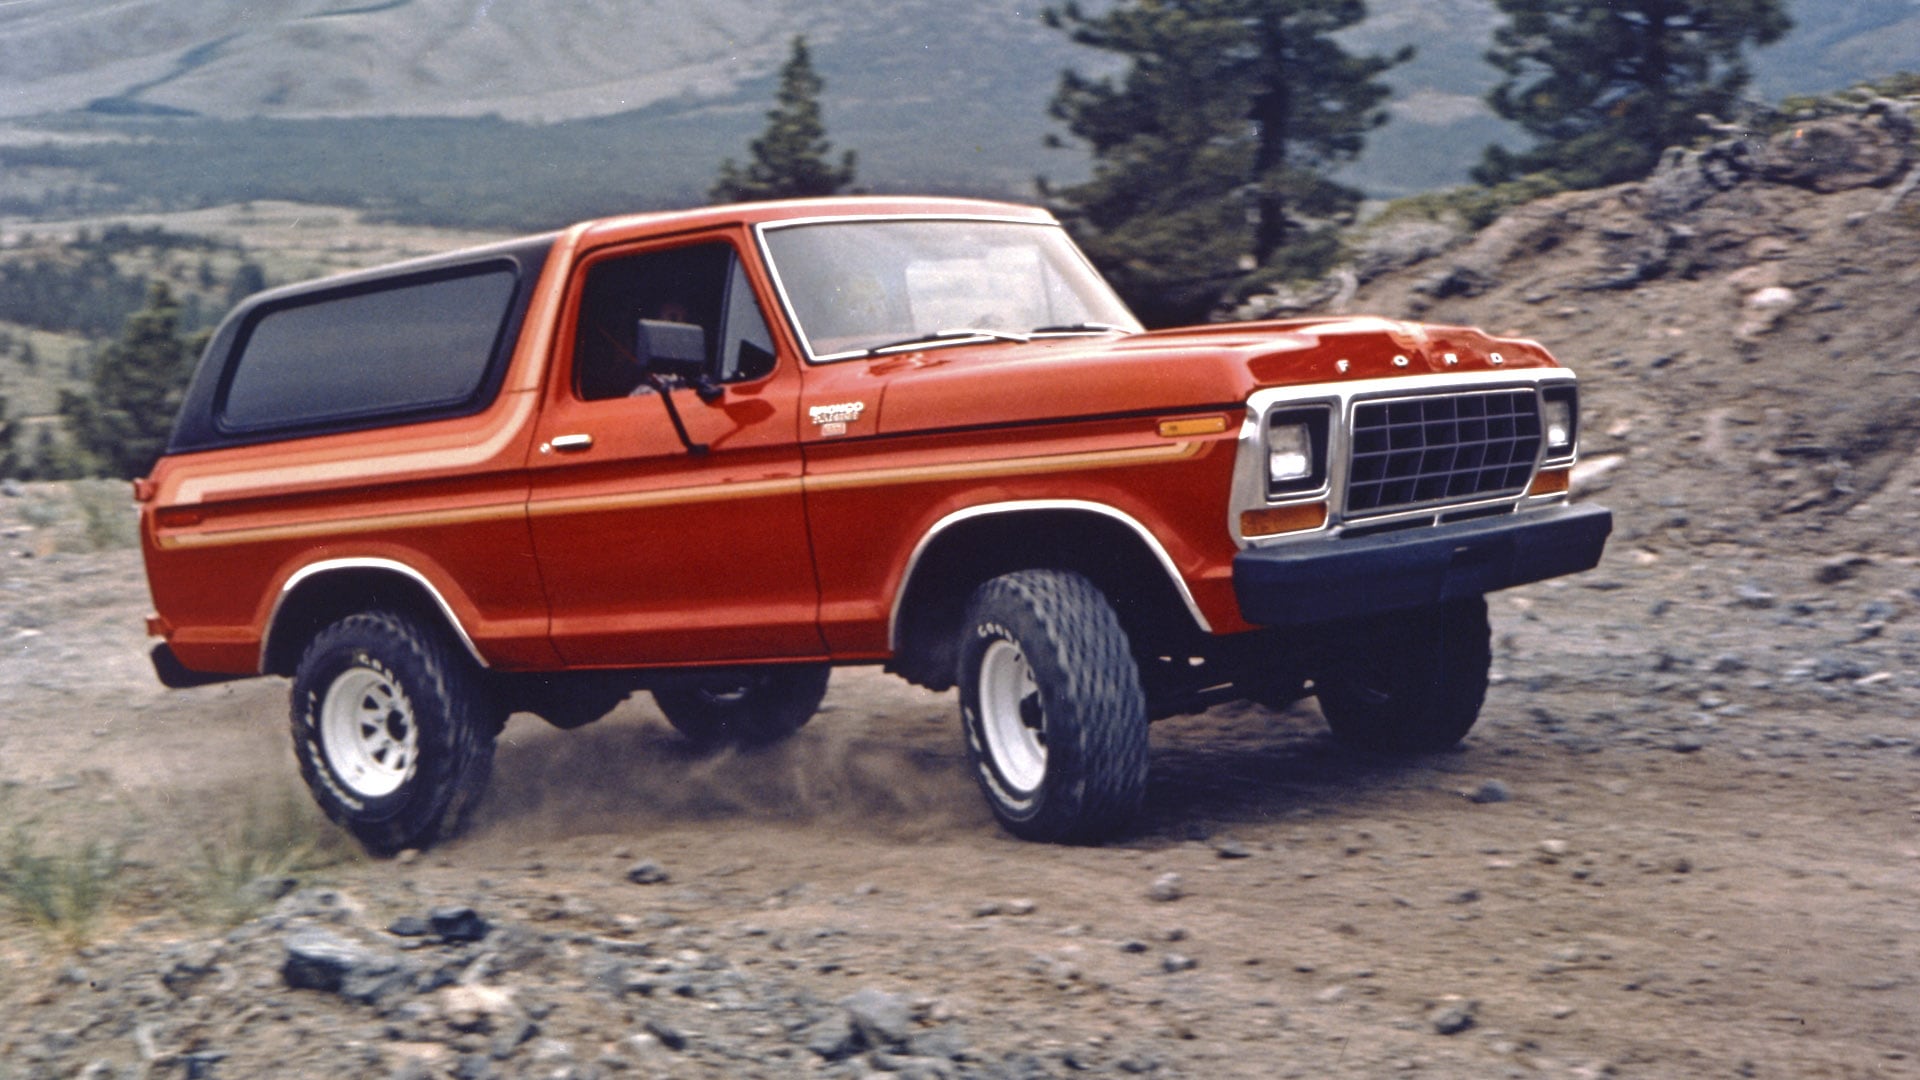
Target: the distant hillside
(932, 94)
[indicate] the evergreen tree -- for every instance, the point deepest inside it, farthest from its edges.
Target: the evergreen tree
(1213, 151)
(1605, 86)
(790, 157)
(122, 424)
(247, 280)
(9, 441)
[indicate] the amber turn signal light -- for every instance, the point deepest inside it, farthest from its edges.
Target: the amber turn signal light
(1552, 482)
(1205, 425)
(1282, 519)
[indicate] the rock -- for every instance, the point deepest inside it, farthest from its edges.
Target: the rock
(471, 1007)
(268, 888)
(322, 960)
(457, 924)
(648, 872)
(409, 926)
(1174, 963)
(1727, 664)
(320, 905)
(475, 1067)
(1232, 849)
(192, 965)
(1167, 888)
(514, 1032)
(668, 1036)
(882, 1019)
(1836, 154)
(1828, 669)
(1453, 1016)
(1841, 568)
(834, 1037)
(1491, 791)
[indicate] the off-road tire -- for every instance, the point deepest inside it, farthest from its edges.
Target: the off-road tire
(747, 707)
(1050, 699)
(1410, 682)
(393, 730)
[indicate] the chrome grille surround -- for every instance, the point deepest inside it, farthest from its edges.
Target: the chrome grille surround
(1345, 400)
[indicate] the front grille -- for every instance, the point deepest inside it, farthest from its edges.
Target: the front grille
(1425, 451)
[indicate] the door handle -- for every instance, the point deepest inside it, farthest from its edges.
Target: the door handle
(570, 443)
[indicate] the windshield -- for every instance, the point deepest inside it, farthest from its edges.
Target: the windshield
(858, 286)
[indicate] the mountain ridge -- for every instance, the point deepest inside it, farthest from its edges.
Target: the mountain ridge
(920, 88)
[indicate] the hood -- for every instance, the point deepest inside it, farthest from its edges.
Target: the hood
(1167, 370)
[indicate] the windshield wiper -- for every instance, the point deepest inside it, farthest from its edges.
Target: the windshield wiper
(1082, 328)
(957, 334)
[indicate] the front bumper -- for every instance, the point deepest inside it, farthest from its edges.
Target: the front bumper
(1323, 580)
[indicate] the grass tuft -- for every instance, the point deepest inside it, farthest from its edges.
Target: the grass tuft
(266, 854)
(61, 888)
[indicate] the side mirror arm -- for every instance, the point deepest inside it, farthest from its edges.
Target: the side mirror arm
(665, 393)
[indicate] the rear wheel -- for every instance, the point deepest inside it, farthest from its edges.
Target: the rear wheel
(1410, 682)
(393, 730)
(742, 706)
(1056, 723)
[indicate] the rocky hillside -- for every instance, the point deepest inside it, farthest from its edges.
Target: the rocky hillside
(1741, 320)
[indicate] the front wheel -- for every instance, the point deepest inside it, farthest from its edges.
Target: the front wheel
(1056, 723)
(753, 706)
(1407, 683)
(393, 730)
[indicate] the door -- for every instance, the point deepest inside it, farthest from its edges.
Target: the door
(652, 551)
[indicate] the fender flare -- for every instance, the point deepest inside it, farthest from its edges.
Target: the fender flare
(969, 513)
(330, 566)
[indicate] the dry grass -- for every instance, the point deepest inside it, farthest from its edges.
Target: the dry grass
(60, 886)
(271, 848)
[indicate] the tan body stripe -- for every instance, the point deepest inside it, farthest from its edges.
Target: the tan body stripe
(701, 493)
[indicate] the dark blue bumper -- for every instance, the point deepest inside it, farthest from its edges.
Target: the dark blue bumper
(1323, 580)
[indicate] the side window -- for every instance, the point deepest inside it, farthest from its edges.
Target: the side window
(421, 344)
(701, 286)
(746, 350)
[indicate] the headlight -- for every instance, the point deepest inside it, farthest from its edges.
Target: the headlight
(1296, 451)
(1289, 453)
(1561, 417)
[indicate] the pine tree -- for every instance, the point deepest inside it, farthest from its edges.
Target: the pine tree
(1605, 86)
(9, 441)
(790, 157)
(122, 424)
(1213, 152)
(247, 280)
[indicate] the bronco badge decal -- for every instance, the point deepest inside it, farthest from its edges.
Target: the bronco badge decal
(833, 419)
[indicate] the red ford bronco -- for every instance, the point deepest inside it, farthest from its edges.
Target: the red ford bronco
(713, 453)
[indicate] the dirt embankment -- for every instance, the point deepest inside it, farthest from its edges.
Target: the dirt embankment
(1684, 840)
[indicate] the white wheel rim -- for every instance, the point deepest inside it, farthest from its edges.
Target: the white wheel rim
(1011, 718)
(368, 732)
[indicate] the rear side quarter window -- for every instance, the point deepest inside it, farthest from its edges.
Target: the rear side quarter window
(422, 344)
